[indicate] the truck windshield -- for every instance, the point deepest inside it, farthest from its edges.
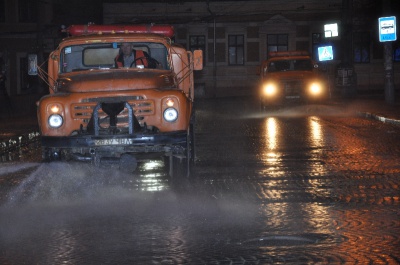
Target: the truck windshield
(290, 65)
(104, 55)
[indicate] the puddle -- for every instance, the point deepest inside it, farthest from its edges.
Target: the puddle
(287, 240)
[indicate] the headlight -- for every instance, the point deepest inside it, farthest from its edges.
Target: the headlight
(315, 89)
(170, 114)
(270, 89)
(55, 120)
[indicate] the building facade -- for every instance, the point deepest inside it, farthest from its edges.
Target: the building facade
(24, 29)
(33, 27)
(236, 36)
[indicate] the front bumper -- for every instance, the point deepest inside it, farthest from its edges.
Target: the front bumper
(279, 91)
(283, 96)
(88, 147)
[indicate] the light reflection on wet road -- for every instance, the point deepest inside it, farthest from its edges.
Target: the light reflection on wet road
(300, 185)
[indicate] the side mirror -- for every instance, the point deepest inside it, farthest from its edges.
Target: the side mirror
(198, 60)
(32, 64)
(262, 69)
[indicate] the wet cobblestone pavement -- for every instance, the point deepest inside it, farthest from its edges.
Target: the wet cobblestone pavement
(301, 185)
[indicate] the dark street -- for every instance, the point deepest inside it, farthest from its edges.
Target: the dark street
(306, 184)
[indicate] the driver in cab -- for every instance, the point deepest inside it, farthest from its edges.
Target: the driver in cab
(129, 57)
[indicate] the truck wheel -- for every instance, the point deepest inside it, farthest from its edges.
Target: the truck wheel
(45, 155)
(180, 166)
(262, 106)
(191, 145)
(48, 155)
(190, 151)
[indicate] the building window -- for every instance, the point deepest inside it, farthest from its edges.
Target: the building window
(396, 51)
(236, 49)
(316, 42)
(277, 42)
(361, 44)
(2, 11)
(198, 42)
(27, 11)
(23, 68)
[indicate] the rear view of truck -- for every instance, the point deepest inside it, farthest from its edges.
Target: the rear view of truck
(101, 112)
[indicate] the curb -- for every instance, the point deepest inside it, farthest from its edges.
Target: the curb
(383, 119)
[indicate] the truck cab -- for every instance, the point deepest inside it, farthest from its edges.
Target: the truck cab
(291, 76)
(104, 113)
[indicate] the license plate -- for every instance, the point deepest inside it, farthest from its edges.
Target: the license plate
(118, 141)
(292, 96)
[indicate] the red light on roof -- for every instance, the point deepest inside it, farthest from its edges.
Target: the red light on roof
(77, 30)
(288, 53)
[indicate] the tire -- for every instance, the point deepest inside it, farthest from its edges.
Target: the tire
(262, 106)
(191, 145)
(48, 155)
(181, 166)
(178, 167)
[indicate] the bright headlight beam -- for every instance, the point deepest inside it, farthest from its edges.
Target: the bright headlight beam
(315, 89)
(269, 89)
(55, 120)
(170, 114)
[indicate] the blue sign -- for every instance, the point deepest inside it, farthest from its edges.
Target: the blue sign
(387, 29)
(325, 53)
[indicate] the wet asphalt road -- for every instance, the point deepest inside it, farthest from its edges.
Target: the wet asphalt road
(301, 185)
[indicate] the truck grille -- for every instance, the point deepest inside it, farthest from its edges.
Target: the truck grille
(141, 108)
(293, 87)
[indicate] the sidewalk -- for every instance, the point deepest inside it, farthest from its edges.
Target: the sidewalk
(375, 107)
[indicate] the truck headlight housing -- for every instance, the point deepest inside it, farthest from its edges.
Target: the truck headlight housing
(54, 108)
(55, 120)
(315, 89)
(270, 89)
(170, 114)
